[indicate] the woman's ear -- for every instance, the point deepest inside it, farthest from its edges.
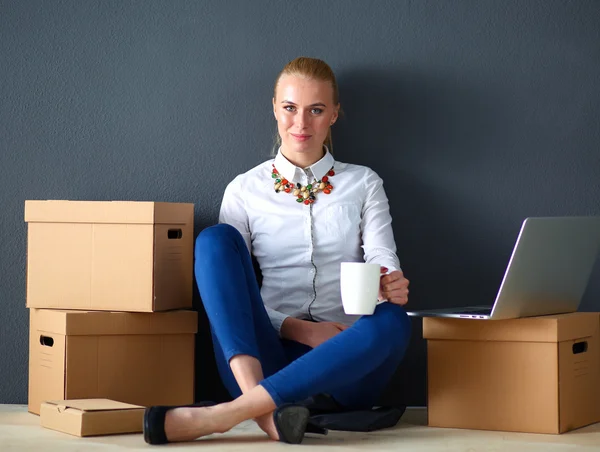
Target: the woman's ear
(336, 113)
(274, 112)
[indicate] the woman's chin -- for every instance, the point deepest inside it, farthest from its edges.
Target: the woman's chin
(305, 147)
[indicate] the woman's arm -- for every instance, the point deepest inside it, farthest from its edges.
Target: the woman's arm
(376, 225)
(234, 213)
(378, 241)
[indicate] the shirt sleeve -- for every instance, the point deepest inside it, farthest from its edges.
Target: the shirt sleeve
(234, 213)
(276, 318)
(376, 225)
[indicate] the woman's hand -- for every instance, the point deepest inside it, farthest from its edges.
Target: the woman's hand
(393, 287)
(319, 332)
(308, 333)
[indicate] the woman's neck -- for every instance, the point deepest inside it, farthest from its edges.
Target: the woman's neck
(303, 159)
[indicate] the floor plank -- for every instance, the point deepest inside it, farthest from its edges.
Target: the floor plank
(21, 431)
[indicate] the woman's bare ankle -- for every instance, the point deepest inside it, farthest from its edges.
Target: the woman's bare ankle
(227, 415)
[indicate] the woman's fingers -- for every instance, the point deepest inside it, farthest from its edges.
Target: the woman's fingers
(397, 296)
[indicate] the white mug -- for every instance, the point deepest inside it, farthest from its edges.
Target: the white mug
(359, 283)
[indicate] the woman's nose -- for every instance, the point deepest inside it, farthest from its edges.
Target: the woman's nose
(302, 119)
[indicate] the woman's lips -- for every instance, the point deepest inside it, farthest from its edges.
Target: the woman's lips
(300, 137)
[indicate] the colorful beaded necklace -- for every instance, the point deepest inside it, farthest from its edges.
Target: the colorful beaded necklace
(303, 193)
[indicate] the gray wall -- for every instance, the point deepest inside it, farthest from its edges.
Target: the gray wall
(475, 113)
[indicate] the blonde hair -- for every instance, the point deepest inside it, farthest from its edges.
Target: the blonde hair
(314, 69)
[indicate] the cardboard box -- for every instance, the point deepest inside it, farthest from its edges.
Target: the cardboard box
(536, 375)
(92, 417)
(139, 358)
(112, 256)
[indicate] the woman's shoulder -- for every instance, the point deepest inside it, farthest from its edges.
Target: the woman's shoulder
(257, 175)
(356, 171)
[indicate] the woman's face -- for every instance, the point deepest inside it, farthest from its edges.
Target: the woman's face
(304, 111)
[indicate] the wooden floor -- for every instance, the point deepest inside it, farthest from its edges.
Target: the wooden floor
(20, 431)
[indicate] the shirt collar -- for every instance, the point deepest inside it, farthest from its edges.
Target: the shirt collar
(288, 170)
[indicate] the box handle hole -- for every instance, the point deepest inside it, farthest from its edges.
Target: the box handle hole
(174, 234)
(46, 341)
(580, 347)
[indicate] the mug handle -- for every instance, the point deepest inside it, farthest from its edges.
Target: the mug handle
(385, 299)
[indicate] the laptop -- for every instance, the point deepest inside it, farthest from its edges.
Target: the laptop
(548, 271)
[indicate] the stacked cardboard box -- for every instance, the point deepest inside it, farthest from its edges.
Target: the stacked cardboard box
(534, 375)
(109, 287)
(92, 417)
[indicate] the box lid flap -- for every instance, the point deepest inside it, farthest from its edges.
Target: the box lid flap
(93, 405)
(108, 212)
(93, 323)
(551, 328)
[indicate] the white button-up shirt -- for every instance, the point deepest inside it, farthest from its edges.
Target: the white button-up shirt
(299, 247)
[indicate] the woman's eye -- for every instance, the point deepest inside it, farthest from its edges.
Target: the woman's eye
(289, 108)
(317, 111)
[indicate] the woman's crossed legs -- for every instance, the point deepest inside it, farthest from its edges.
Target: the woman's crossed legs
(261, 370)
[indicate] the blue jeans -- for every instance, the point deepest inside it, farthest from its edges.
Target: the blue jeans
(353, 367)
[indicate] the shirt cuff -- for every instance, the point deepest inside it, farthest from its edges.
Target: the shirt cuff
(277, 319)
(389, 264)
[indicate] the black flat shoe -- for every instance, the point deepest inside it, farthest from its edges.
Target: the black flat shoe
(154, 421)
(292, 421)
